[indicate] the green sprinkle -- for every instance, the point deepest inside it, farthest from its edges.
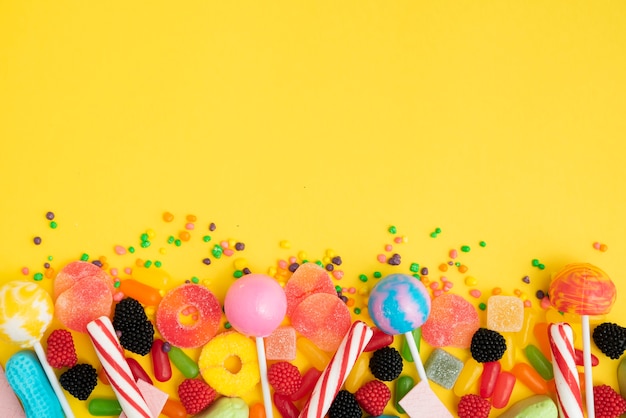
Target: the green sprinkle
(227, 325)
(206, 238)
(338, 288)
(217, 251)
(465, 248)
(38, 276)
(541, 266)
(393, 229)
(482, 243)
(535, 262)
(147, 263)
(84, 257)
(144, 237)
(53, 225)
(238, 274)
(457, 264)
(131, 250)
(433, 235)
(378, 275)
(438, 230)
(417, 276)
(363, 278)
(304, 261)
(170, 239)
(482, 306)
(178, 242)
(319, 263)
(50, 258)
(117, 284)
(414, 267)
(195, 280)
(145, 244)
(157, 264)
(357, 311)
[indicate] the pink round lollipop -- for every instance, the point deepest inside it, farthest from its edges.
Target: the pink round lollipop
(255, 305)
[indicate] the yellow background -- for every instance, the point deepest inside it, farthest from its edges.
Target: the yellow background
(321, 123)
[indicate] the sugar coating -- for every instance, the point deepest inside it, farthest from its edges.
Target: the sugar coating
(421, 401)
(505, 313)
(281, 344)
(443, 368)
(308, 279)
(77, 272)
(452, 322)
(322, 318)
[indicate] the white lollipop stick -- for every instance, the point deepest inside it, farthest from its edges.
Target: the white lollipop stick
(416, 357)
(52, 378)
(267, 400)
(591, 412)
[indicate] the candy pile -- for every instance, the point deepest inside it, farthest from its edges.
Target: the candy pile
(309, 346)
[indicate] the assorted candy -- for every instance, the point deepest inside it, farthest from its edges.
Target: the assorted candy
(216, 349)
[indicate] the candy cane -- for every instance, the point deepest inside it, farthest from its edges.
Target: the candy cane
(570, 401)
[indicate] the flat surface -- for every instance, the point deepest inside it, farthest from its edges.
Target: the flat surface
(321, 124)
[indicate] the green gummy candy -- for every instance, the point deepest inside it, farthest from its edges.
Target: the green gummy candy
(539, 362)
(226, 407)
(185, 364)
(104, 407)
(405, 351)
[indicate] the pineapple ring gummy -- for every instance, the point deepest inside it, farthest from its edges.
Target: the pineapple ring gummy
(214, 357)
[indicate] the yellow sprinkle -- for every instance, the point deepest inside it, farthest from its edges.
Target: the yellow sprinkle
(151, 233)
(302, 255)
(363, 291)
(405, 239)
(330, 253)
(471, 281)
(240, 263)
(162, 250)
(271, 271)
(139, 262)
(281, 283)
(326, 260)
(231, 243)
(150, 310)
(285, 244)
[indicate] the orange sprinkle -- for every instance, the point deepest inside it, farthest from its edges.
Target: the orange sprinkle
(191, 218)
(49, 273)
(350, 303)
(443, 267)
(463, 268)
(168, 217)
(604, 247)
(496, 291)
(184, 235)
(139, 262)
(517, 292)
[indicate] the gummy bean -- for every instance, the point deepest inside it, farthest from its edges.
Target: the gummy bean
(491, 370)
(468, 377)
(403, 385)
(104, 407)
(174, 409)
(523, 337)
(530, 378)
(502, 392)
(160, 362)
(508, 359)
(542, 339)
(146, 295)
(309, 379)
(578, 357)
(357, 374)
(379, 340)
(318, 358)
(257, 411)
(183, 362)
(285, 407)
(539, 361)
(103, 376)
(405, 351)
(138, 371)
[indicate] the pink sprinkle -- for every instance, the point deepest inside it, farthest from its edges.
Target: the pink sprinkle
(388, 247)
(596, 245)
(25, 271)
(528, 303)
(128, 270)
(437, 292)
(228, 252)
(444, 279)
(545, 303)
(434, 285)
(224, 244)
(453, 254)
(381, 258)
(352, 290)
(447, 286)
(119, 250)
(397, 240)
(338, 274)
(475, 293)
(293, 259)
(189, 226)
(118, 296)
(113, 271)
(282, 264)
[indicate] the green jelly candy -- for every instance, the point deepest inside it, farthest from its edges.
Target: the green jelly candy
(185, 364)
(539, 362)
(621, 376)
(405, 351)
(104, 407)
(403, 385)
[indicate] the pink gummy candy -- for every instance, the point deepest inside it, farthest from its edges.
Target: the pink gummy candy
(83, 292)
(452, 322)
(307, 280)
(322, 318)
(281, 344)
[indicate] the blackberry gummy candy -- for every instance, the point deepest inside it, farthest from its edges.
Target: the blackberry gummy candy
(443, 368)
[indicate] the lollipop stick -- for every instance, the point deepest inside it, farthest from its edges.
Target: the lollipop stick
(416, 357)
(267, 400)
(53, 380)
(591, 413)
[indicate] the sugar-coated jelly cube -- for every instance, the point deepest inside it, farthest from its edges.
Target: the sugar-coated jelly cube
(443, 368)
(281, 344)
(505, 313)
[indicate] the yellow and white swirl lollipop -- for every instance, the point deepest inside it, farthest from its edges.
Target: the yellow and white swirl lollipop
(26, 311)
